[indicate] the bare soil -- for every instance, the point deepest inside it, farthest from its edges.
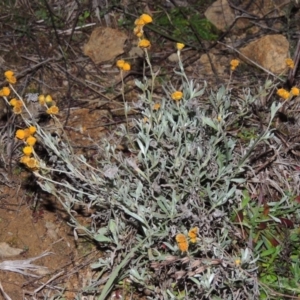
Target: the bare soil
(39, 228)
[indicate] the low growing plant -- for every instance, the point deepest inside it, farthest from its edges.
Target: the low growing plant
(162, 215)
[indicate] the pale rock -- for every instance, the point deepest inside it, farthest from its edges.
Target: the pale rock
(173, 58)
(8, 251)
(105, 44)
(220, 14)
(219, 63)
(269, 52)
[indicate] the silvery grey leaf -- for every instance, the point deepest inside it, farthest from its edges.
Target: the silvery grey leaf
(111, 172)
(218, 213)
(23, 266)
(156, 187)
(32, 97)
(132, 163)
(153, 144)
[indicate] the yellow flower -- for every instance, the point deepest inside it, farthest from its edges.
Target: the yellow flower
(8, 73)
(16, 103)
(120, 63)
(27, 132)
(146, 18)
(42, 99)
(24, 159)
(234, 63)
(138, 31)
(182, 242)
(32, 129)
(53, 110)
(48, 99)
(31, 141)
(139, 22)
(145, 120)
(180, 46)
(17, 110)
(219, 118)
(193, 234)
(5, 92)
(126, 67)
(176, 96)
(295, 91)
(283, 93)
(143, 43)
(31, 163)
(10, 77)
(20, 134)
(237, 262)
(290, 63)
(123, 65)
(27, 150)
(13, 102)
(19, 103)
(156, 106)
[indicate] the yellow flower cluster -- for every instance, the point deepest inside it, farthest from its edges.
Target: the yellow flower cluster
(47, 101)
(284, 94)
(182, 240)
(17, 105)
(123, 65)
(234, 63)
(10, 77)
(290, 63)
(193, 234)
(177, 95)
(4, 92)
(26, 135)
(180, 46)
(237, 262)
(156, 106)
(139, 30)
(295, 91)
(144, 43)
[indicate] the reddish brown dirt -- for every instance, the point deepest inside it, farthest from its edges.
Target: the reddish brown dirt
(37, 229)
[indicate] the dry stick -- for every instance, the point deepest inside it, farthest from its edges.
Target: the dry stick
(6, 297)
(296, 59)
(251, 61)
(46, 284)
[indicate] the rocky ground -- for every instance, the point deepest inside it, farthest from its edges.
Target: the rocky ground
(68, 49)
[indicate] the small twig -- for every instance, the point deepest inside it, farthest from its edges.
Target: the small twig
(292, 73)
(50, 280)
(71, 30)
(6, 297)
